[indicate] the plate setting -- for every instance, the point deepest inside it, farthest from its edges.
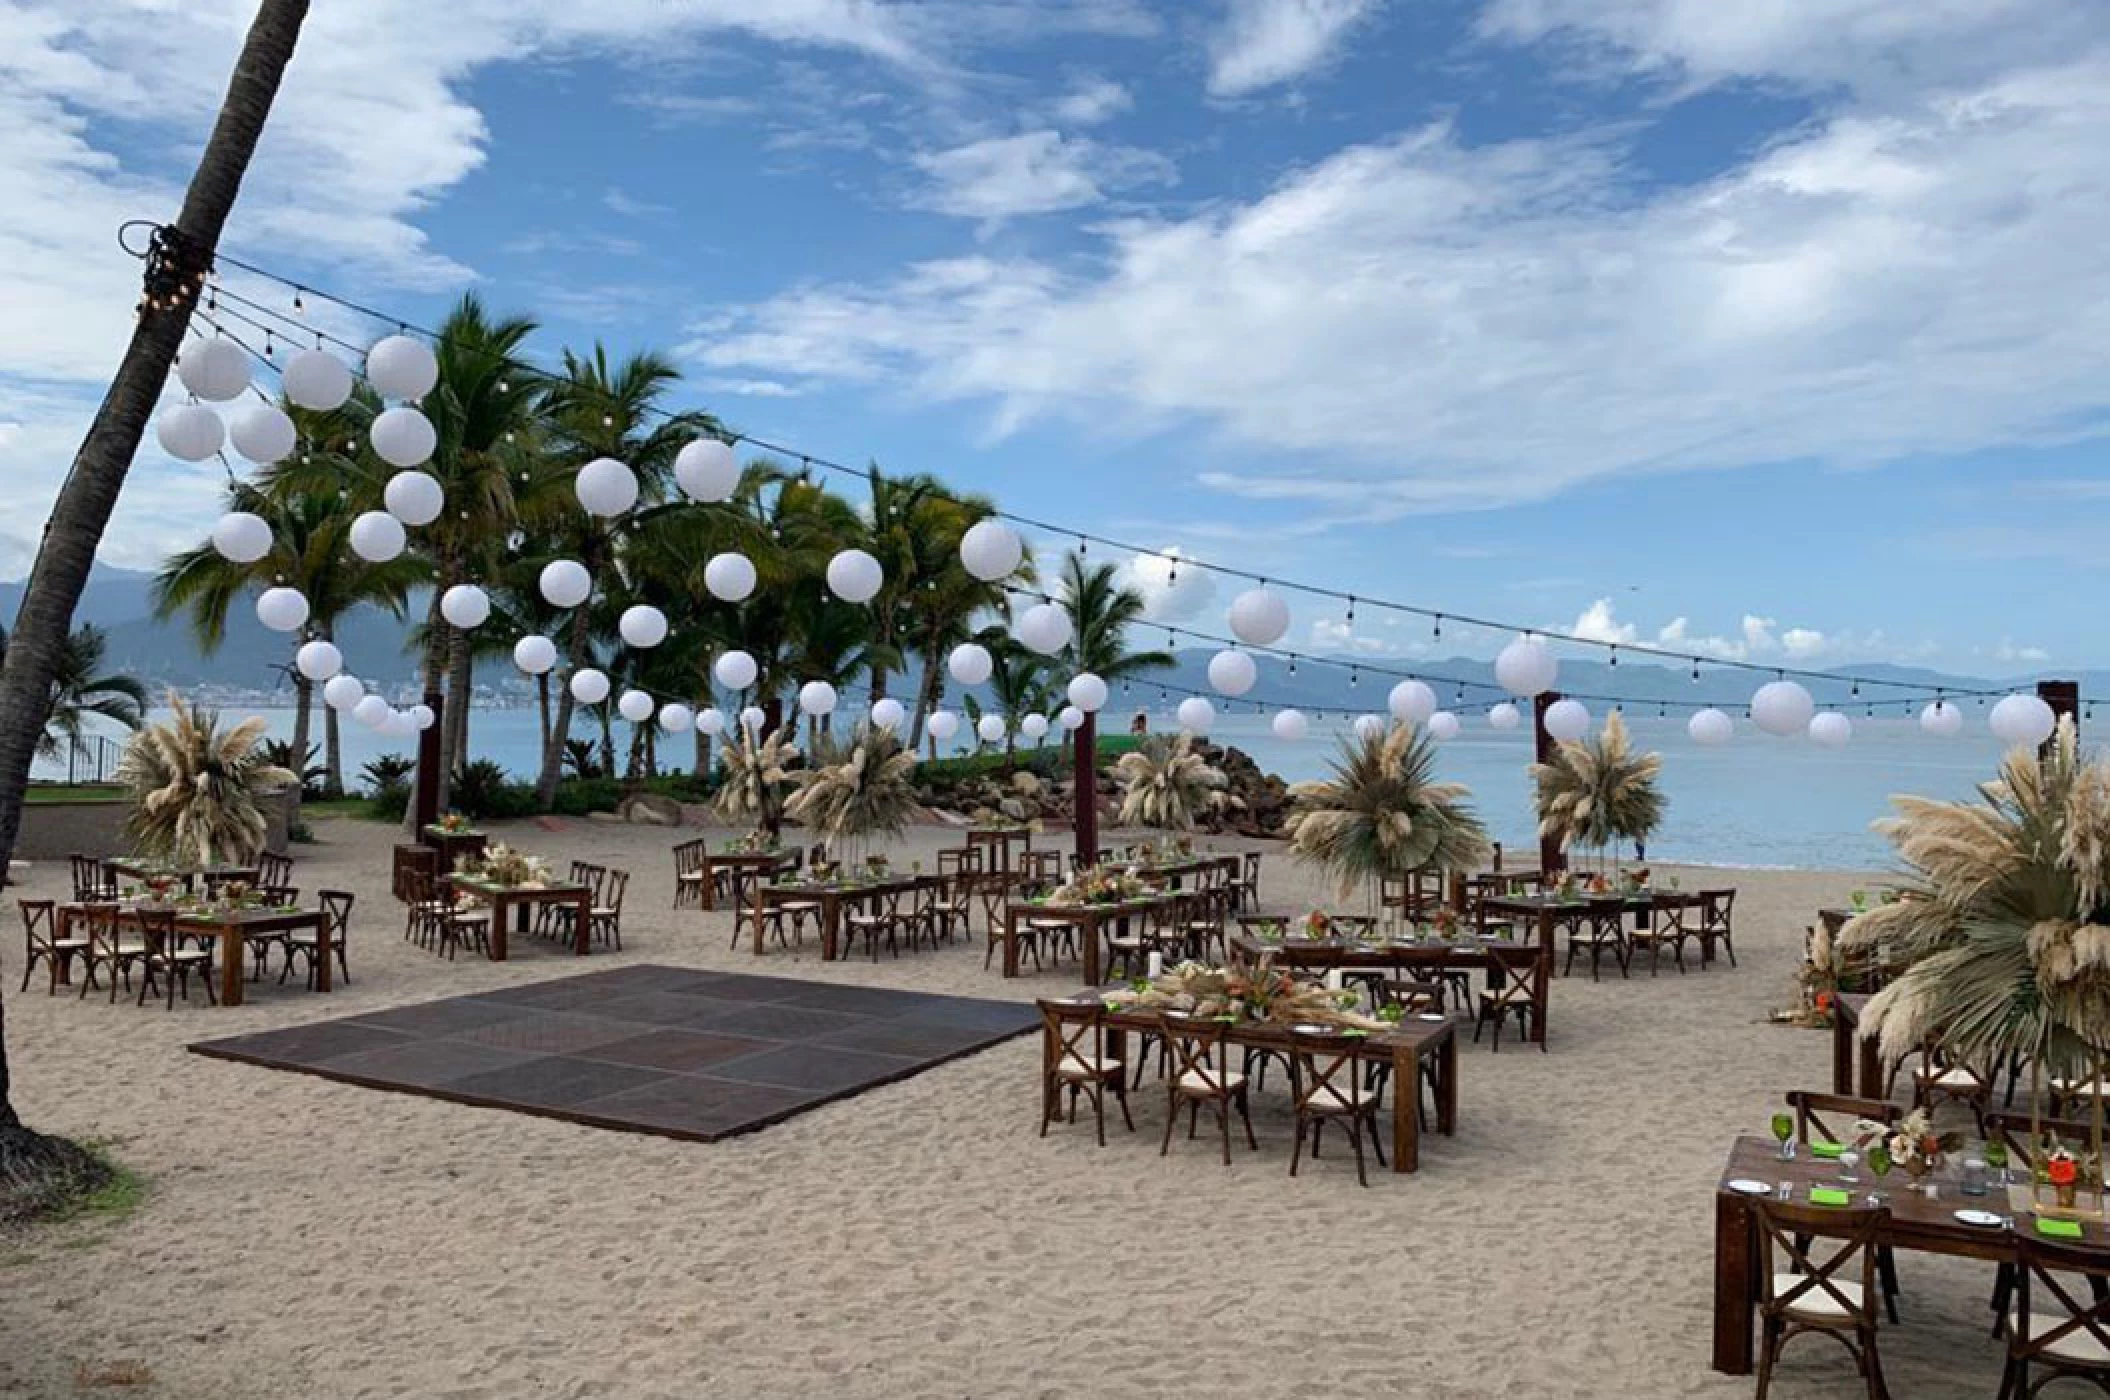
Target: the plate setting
(1745, 1186)
(1984, 1219)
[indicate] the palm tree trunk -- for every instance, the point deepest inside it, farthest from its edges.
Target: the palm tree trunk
(90, 493)
(436, 630)
(332, 755)
(553, 756)
(461, 682)
(303, 721)
(1084, 795)
(926, 697)
(543, 716)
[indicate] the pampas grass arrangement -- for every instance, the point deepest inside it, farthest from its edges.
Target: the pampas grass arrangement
(852, 796)
(1598, 792)
(1167, 785)
(197, 789)
(1381, 814)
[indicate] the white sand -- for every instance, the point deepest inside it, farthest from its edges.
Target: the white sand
(305, 1238)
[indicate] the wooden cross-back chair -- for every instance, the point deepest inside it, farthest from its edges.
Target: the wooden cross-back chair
(272, 869)
(1511, 991)
(1832, 1296)
(40, 931)
(1832, 1116)
(2054, 1331)
(2020, 1136)
(166, 961)
(1074, 1057)
(1714, 926)
(1330, 1088)
(1202, 1074)
(92, 880)
(689, 859)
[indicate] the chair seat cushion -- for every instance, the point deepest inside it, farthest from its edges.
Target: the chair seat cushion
(603, 912)
(1817, 1305)
(65, 944)
(2077, 1346)
(1958, 1078)
(1329, 1099)
(1226, 1082)
(2079, 1089)
(1082, 1066)
(689, 877)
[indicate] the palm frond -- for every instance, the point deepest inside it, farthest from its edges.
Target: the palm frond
(196, 789)
(1382, 814)
(1599, 792)
(1166, 784)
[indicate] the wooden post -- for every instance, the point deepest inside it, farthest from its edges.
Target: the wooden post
(426, 806)
(1084, 790)
(1551, 859)
(2064, 697)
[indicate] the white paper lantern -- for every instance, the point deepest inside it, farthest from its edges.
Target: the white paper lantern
(676, 718)
(318, 660)
(1782, 707)
(888, 713)
(317, 379)
(991, 550)
(564, 583)
(421, 717)
(1942, 718)
(642, 625)
(817, 698)
(855, 576)
(1443, 725)
(1710, 727)
(1831, 729)
(216, 370)
(465, 606)
(1232, 672)
(402, 367)
(1526, 667)
(377, 536)
(1033, 726)
(534, 654)
(1411, 702)
(1071, 718)
(1504, 716)
(1369, 727)
(942, 725)
(588, 686)
(706, 470)
(372, 711)
(710, 720)
(189, 432)
(240, 537)
(1087, 692)
(414, 498)
(1567, 720)
(970, 663)
(401, 724)
(1044, 628)
(343, 691)
(605, 487)
(753, 718)
(263, 434)
(635, 706)
(2022, 719)
(1259, 618)
(990, 729)
(403, 437)
(1289, 724)
(282, 609)
(735, 670)
(1196, 715)
(729, 576)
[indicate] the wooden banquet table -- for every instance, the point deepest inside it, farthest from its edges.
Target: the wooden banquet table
(1375, 955)
(515, 900)
(136, 868)
(832, 898)
(758, 865)
(1090, 921)
(232, 928)
(1414, 1043)
(1916, 1222)
(1177, 870)
(1857, 1060)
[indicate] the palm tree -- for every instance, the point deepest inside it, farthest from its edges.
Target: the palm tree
(1101, 612)
(2002, 925)
(1021, 683)
(1599, 792)
(757, 771)
(81, 688)
(1382, 815)
(37, 1170)
(1166, 784)
(310, 530)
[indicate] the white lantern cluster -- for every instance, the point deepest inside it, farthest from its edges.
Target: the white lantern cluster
(888, 714)
(1443, 725)
(1710, 727)
(676, 718)
(1830, 729)
(1942, 719)
(1782, 707)
(735, 670)
(282, 609)
(403, 437)
(318, 660)
(635, 706)
(402, 367)
(377, 537)
(2022, 719)
(189, 432)
(1196, 715)
(264, 434)
(414, 498)
(730, 577)
(1033, 726)
(970, 663)
(342, 691)
(1567, 720)
(1070, 718)
(817, 698)
(990, 729)
(1290, 725)
(1087, 692)
(318, 380)
(1045, 628)
(855, 576)
(943, 725)
(605, 487)
(1232, 672)
(241, 538)
(752, 718)
(1526, 667)
(1504, 716)
(1411, 702)
(706, 470)
(1369, 727)
(564, 583)
(465, 606)
(710, 720)
(1259, 618)
(642, 626)
(991, 550)
(535, 654)
(589, 686)
(216, 370)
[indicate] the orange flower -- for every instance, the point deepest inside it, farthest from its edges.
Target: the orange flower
(1824, 1001)
(2061, 1171)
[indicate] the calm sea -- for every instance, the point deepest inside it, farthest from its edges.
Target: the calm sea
(1754, 802)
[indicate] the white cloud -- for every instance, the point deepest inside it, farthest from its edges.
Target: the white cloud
(1170, 593)
(1337, 635)
(1428, 324)
(630, 206)
(1266, 42)
(1598, 625)
(1033, 172)
(2008, 651)
(1093, 100)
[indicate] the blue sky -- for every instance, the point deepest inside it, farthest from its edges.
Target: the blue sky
(1778, 331)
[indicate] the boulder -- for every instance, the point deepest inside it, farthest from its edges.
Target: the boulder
(649, 809)
(1014, 810)
(1026, 784)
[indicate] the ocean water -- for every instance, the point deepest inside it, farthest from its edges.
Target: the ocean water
(1756, 801)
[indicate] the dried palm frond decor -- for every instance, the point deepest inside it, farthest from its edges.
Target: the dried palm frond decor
(197, 789)
(1598, 792)
(852, 796)
(1166, 784)
(1381, 815)
(1260, 992)
(2001, 929)
(757, 770)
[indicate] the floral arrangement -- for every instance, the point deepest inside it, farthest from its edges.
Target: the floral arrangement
(1637, 878)
(754, 843)
(1318, 924)
(2065, 1170)
(1445, 923)
(1597, 884)
(1097, 886)
(1566, 887)
(1911, 1142)
(453, 823)
(1257, 993)
(500, 864)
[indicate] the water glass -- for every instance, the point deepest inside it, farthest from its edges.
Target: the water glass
(1974, 1178)
(1848, 1160)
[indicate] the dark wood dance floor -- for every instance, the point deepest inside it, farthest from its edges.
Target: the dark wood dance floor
(687, 1054)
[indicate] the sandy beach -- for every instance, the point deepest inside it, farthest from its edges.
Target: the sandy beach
(305, 1238)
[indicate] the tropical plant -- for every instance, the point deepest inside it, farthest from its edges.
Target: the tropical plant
(388, 772)
(1599, 792)
(279, 753)
(1166, 784)
(197, 789)
(757, 770)
(852, 796)
(2000, 936)
(1382, 814)
(582, 759)
(81, 688)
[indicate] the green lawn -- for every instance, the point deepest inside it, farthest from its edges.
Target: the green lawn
(66, 792)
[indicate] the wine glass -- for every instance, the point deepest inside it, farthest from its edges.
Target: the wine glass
(1995, 1157)
(1879, 1163)
(1848, 1160)
(1784, 1133)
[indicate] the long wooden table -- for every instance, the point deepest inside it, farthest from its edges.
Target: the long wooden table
(832, 897)
(141, 870)
(760, 865)
(1409, 1046)
(515, 901)
(1915, 1223)
(232, 928)
(1857, 1060)
(1371, 955)
(1090, 921)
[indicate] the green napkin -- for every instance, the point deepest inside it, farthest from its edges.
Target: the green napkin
(2059, 1229)
(1829, 1196)
(1830, 1150)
